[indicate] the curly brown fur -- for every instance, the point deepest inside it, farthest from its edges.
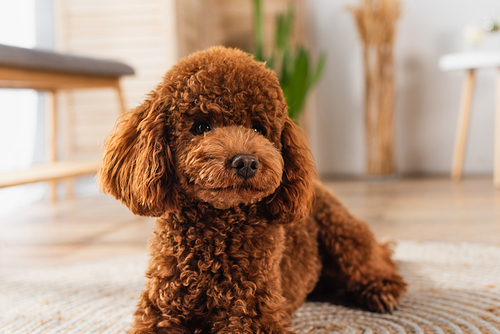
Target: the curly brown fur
(237, 247)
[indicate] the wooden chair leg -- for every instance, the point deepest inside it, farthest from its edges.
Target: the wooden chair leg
(121, 99)
(52, 139)
(463, 125)
(496, 171)
(70, 188)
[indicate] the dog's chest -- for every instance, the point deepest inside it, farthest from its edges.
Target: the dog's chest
(224, 255)
(218, 248)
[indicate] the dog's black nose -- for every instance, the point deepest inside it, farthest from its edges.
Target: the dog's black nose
(245, 165)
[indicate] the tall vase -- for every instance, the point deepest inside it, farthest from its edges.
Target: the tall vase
(379, 110)
(376, 22)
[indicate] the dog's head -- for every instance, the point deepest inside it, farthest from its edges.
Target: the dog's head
(215, 130)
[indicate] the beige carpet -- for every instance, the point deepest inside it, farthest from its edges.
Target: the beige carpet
(454, 288)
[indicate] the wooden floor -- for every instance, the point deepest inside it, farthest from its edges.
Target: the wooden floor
(96, 227)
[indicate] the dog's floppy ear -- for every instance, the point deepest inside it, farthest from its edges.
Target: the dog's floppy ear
(137, 167)
(293, 198)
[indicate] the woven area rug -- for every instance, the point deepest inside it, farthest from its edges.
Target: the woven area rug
(453, 288)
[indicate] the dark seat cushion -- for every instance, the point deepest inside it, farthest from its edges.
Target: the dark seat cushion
(11, 56)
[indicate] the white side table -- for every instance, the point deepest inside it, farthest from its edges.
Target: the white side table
(470, 61)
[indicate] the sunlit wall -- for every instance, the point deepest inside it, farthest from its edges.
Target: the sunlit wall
(18, 108)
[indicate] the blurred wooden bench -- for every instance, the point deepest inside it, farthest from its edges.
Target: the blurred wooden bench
(50, 72)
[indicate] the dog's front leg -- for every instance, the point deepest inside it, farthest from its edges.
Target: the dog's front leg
(244, 319)
(250, 326)
(263, 314)
(154, 316)
(353, 261)
(250, 298)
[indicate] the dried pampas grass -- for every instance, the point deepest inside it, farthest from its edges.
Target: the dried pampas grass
(376, 21)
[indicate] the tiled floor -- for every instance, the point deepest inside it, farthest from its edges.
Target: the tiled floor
(88, 228)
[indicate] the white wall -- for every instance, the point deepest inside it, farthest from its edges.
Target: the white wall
(427, 99)
(18, 109)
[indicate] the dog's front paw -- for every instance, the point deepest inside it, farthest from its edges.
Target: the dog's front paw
(258, 331)
(382, 295)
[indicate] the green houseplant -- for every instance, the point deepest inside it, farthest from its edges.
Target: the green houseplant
(296, 72)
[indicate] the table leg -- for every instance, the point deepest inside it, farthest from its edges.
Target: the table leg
(496, 157)
(463, 125)
(70, 188)
(121, 99)
(52, 139)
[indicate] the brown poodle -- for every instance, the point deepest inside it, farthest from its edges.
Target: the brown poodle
(244, 232)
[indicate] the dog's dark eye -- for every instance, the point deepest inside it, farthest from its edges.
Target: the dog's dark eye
(259, 129)
(201, 128)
